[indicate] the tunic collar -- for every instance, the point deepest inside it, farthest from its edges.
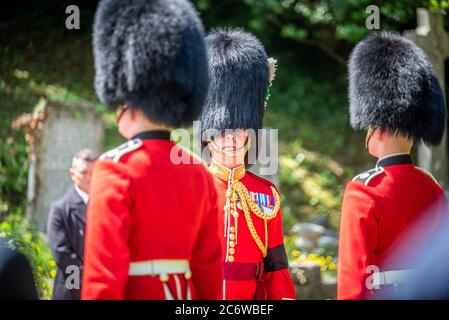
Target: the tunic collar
(225, 174)
(394, 159)
(153, 135)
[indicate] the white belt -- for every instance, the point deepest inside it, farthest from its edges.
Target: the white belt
(391, 277)
(164, 268)
(159, 268)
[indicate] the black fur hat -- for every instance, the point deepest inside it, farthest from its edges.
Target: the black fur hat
(239, 75)
(393, 86)
(151, 55)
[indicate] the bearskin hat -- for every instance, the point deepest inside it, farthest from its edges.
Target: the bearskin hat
(393, 86)
(239, 75)
(151, 55)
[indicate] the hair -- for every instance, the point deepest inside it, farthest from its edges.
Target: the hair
(83, 156)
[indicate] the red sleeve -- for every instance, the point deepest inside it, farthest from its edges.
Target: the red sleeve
(107, 254)
(206, 265)
(277, 279)
(358, 238)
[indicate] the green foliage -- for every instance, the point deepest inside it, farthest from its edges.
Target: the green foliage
(318, 152)
(439, 4)
(22, 235)
(13, 169)
(299, 93)
(28, 76)
(331, 25)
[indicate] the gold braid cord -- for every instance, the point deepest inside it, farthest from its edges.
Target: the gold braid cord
(248, 206)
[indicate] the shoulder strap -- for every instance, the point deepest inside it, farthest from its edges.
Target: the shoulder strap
(116, 153)
(367, 176)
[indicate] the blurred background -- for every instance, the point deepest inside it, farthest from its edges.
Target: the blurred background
(41, 61)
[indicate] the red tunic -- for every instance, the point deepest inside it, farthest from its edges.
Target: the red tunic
(379, 208)
(144, 207)
(276, 278)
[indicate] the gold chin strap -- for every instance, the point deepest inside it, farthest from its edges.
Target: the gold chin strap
(369, 133)
(119, 113)
(234, 153)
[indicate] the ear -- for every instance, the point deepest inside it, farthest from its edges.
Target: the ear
(380, 134)
(133, 113)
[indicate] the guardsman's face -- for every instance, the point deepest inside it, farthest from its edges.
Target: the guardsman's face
(232, 144)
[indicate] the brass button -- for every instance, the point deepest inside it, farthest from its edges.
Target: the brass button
(232, 244)
(239, 205)
(231, 250)
(232, 236)
(163, 277)
(231, 258)
(232, 229)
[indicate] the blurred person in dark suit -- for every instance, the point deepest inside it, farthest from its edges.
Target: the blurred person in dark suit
(66, 229)
(16, 276)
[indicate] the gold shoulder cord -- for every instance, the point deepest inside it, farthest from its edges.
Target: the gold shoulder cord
(237, 190)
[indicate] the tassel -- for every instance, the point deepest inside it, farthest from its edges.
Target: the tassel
(224, 289)
(178, 287)
(187, 277)
(167, 293)
(189, 294)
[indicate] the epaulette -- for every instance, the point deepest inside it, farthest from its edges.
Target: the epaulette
(367, 176)
(428, 174)
(116, 153)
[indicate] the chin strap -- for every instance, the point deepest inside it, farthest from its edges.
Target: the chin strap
(369, 133)
(234, 153)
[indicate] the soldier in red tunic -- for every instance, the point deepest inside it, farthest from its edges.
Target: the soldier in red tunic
(152, 224)
(394, 93)
(255, 261)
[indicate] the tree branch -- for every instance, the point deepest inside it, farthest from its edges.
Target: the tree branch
(326, 49)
